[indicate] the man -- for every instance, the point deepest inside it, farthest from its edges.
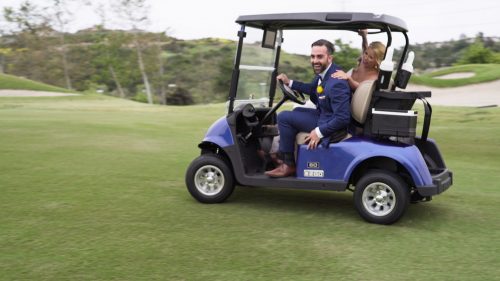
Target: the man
(328, 122)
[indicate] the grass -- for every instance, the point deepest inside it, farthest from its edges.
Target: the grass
(17, 83)
(92, 188)
(483, 73)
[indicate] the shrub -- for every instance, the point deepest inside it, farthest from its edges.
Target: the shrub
(477, 53)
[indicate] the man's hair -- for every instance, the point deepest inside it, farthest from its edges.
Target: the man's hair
(322, 42)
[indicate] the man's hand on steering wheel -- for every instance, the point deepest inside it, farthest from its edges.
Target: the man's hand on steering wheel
(288, 93)
(283, 78)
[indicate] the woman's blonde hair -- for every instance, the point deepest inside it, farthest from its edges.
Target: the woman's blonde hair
(379, 50)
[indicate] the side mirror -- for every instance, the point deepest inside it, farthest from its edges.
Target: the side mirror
(269, 39)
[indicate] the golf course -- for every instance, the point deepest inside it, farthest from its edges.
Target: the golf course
(92, 188)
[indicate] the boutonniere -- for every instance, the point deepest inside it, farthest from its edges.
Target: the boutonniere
(319, 90)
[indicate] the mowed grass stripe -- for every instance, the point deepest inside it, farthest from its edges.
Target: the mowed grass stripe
(92, 188)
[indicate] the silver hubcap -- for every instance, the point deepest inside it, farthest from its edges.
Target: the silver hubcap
(209, 180)
(379, 199)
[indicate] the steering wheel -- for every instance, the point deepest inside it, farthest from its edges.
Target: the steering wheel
(291, 94)
(288, 94)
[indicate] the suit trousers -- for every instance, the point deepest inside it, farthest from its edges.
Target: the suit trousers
(290, 123)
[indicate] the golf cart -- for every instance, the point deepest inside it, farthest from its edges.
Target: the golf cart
(382, 161)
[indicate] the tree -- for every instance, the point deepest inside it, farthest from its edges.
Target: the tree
(161, 67)
(28, 22)
(107, 49)
(345, 55)
(477, 53)
(156, 57)
(60, 16)
(4, 52)
(27, 17)
(225, 69)
(113, 62)
(135, 13)
(107, 58)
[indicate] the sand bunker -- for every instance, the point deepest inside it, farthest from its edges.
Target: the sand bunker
(457, 75)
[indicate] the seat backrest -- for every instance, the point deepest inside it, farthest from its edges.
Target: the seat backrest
(360, 101)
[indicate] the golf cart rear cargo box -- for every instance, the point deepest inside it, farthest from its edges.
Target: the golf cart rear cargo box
(398, 123)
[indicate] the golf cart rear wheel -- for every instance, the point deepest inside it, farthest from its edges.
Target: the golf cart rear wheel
(381, 197)
(209, 179)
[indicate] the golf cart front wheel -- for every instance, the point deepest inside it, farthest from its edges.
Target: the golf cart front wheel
(381, 197)
(209, 179)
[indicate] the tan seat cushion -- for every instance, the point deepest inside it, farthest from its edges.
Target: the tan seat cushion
(361, 100)
(301, 138)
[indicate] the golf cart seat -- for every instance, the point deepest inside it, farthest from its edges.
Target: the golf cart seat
(360, 103)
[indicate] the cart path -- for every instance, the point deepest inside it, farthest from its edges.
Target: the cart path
(477, 95)
(29, 93)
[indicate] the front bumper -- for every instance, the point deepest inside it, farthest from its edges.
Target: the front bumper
(440, 182)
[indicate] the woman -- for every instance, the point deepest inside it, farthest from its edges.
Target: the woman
(368, 66)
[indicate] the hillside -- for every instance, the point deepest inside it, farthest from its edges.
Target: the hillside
(100, 60)
(19, 83)
(179, 71)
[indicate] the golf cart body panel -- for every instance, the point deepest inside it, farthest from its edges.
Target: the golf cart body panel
(384, 162)
(219, 134)
(339, 160)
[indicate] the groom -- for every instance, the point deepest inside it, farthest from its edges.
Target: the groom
(328, 122)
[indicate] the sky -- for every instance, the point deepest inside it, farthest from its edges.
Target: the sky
(427, 20)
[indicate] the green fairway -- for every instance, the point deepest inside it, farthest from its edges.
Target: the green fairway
(482, 73)
(92, 188)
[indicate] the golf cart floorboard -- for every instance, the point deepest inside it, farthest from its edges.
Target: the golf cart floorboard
(292, 182)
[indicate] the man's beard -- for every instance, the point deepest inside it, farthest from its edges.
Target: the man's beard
(318, 68)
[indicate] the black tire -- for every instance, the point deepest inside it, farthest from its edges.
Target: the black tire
(209, 179)
(381, 197)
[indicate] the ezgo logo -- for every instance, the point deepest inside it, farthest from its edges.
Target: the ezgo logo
(314, 173)
(313, 165)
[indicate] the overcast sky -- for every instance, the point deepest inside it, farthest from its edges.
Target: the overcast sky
(427, 20)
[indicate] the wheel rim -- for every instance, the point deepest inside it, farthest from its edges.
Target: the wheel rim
(379, 199)
(209, 180)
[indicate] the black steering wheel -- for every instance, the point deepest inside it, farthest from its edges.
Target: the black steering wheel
(291, 94)
(288, 94)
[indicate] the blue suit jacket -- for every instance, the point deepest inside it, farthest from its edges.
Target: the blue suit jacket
(334, 104)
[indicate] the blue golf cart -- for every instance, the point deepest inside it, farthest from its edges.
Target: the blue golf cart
(382, 161)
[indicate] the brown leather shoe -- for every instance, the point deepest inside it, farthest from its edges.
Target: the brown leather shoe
(283, 170)
(275, 159)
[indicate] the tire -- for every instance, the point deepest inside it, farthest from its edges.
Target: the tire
(209, 179)
(381, 197)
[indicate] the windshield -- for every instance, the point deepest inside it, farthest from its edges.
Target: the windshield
(256, 67)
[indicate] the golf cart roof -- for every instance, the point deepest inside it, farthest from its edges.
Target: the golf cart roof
(342, 21)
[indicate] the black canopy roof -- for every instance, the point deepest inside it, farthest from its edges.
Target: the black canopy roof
(344, 21)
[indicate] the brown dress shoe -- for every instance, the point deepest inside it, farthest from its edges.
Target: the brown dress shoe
(283, 170)
(275, 159)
